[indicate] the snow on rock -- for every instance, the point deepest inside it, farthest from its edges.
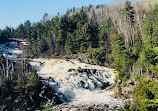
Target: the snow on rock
(80, 83)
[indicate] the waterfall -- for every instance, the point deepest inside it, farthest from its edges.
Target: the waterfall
(80, 83)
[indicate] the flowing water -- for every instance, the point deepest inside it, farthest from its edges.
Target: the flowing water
(10, 50)
(80, 83)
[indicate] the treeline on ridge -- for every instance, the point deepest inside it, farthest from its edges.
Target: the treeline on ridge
(124, 36)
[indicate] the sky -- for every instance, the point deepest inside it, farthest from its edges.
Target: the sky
(14, 12)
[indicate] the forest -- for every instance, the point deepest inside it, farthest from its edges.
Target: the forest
(123, 36)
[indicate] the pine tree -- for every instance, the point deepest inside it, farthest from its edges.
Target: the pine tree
(82, 49)
(119, 54)
(137, 45)
(90, 51)
(128, 12)
(33, 81)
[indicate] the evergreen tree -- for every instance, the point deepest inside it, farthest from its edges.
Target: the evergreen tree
(83, 18)
(137, 45)
(90, 51)
(27, 28)
(33, 81)
(82, 49)
(120, 57)
(20, 31)
(128, 12)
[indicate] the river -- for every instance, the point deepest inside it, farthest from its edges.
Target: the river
(10, 50)
(80, 83)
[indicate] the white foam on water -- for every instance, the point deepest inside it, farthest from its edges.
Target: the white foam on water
(13, 44)
(79, 88)
(10, 50)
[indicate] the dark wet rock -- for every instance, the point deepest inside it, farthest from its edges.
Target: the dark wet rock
(90, 107)
(84, 71)
(50, 79)
(80, 60)
(94, 71)
(101, 63)
(71, 70)
(119, 82)
(79, 70)
(105, 85)
(105, 105)
(82, 83)
(28, 98)
(131, 83)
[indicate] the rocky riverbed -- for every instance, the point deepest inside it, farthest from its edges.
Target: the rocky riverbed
(83, 86)
(10, 50)
(90, 107)
(79, 86)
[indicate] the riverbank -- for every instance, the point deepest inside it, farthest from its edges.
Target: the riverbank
(81, 82)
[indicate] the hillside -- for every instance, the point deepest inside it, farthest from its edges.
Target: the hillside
(122, 36)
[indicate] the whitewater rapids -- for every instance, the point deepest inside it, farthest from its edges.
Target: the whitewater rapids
(80, 83)
(10, 50)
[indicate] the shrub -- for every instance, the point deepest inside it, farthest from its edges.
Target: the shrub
(119, 90)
